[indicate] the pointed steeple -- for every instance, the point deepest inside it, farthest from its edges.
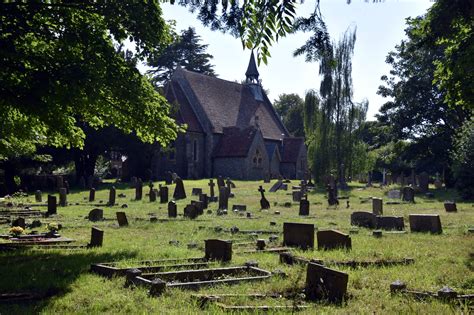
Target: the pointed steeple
(252, 72)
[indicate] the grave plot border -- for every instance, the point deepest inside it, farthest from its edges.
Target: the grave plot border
(444, 294)
(157, 285)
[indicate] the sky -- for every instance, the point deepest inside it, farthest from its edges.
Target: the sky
(380, 26)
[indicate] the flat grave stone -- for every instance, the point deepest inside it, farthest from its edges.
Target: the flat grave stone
(323, 283)
(122, 219)
(394, 194)
(298, 235)
(363, 219)
(390, 223)
(425, 223)
(333, 239)
(96, 215)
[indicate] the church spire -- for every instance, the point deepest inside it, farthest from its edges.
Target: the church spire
(252, 72)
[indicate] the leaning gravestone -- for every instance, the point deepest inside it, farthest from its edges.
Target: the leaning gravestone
(191, 211)
(163, 194)
(179, 192)
(38, 196)
(408, 194)
(264, 204)
(62, 197)
(363, 219)
(390, 223)
(377, 206)
(332, 239)
(223, 198)
(304, 206)
(139, 190)
(172, 209)
(112, 196)
(97, 237)
(92, 195)
(394, 194)
(276, 186)
(323, 283)
(96, 215)
(121, 219)
(450, 206)
(52, 205)
(298, 234)
(425, 223)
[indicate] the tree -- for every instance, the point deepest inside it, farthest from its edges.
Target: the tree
(186, 52)
(290, 108)
(463, 155)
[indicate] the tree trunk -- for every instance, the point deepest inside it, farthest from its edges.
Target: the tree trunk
(10, 172)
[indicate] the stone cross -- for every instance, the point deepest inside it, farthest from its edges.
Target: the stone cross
(92, 195)
(211, 186)
(264, 204)
(112, 195)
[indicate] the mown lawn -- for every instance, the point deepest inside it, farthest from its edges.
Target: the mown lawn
(445, 259)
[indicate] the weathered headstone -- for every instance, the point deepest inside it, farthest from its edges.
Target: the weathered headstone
(424, 181)
(152, 195)
(223, 198)
(323, 283)
(179, 192)
(52, 205)
(299, 235)
(425, 223)
(332, 196)
(264, 204)
(296, 196)
(139, 190)
(304, 206)
(38, 196)
(112, 196)
(220, 182)
(216, 249)
(332, 239)
(377, 206)
(276, 186)
(450, 206)
(408, 194)
(62, 197)
(121, 219)
(97, 237)
(96, 215)
(168, 178)
(363, 219)
(196, 191)
(239, 207)
(205, 201)
(163, 194)
(394, 194)
(191, 211)
(199, 206)
(172, 209)
(19, 222)
(212, 197)
(390, 223)
(92, 195)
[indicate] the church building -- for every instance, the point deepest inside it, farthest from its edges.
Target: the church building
(232, 131)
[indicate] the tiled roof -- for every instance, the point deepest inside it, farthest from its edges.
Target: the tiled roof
(291, 149)
(235, 142)
(228, 104)
(185, 114)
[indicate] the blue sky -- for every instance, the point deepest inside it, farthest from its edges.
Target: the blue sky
(379, 28)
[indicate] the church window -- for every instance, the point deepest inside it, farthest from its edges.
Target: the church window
(195, 151)
(257, 159)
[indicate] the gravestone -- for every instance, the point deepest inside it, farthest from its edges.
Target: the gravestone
(82, 183)
(196, 191)
(52, 205)
(230, 185)
(296, 196)
(239, 207)
(212, 197)
(363, 219)
(19, 222)
(121, 219)
(304, 206)
(424, 181)
(168, 178)
(332, 196)
(172, 209)
(408, 194)
(276, 186)
(179, 192)
(264, 204)
(332, 239)
(394, 194)
(62, 197)
(266, 178)
(152, 195)
(191, 211)
(163, 194)
(323, 283)
(66, 185)
(298, 235)
(216, 249)
(377, 206)
(205, 200)
(438, 183)
(38, 196)
(97, 237)
(92, 195)
(450, 206)
(390, 223)
(199, 206)
(223, 198)
(112, 195)
(139, 190)
(220, 182)
(96, 215)
(425, 223)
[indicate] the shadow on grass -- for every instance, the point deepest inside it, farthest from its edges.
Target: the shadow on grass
(46, 273)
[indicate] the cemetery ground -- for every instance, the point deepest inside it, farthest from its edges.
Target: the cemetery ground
(64, 276)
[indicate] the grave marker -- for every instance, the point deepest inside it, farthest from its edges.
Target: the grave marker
(298, 234)
(425, 223)
(264, 204)
(122, 219)
(408, 194)
(191, 211)
(96, 215)
(363, 219)
(333, 239)
(52, 205)
(205, 201)
(179, 192)
(172, 209)
(19, 222)
(112, 195)
(276, 186)
(377, 206)
(296, 196)
(394, 194)
(196, 191)
(97, 237)
(390, 223)
(139, 190)
(450, 206)
(163, 194)
(325, 284)
(304, 206)
(218, 250)
(223, 198)
(168, 178)
(199, 206)
(92, 195)
(62, 197)
(152, 195)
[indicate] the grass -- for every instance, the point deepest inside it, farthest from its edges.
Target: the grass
(440, 260)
